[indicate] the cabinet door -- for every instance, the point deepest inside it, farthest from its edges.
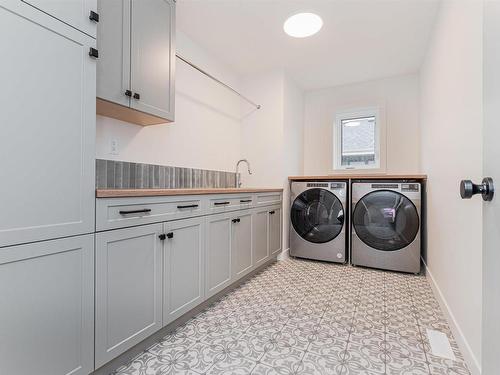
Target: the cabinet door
(275, 230)
(113, 43)
(72, 12)
(218, 253)
(47, 307)
(260, 236)
(47, 142)
(183, 272)
(128, 289)
(153, 57)
(241, 244)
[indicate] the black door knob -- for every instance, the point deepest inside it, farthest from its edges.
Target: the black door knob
(137, 96)
(170, 235)
(128, 93)
(486, 189)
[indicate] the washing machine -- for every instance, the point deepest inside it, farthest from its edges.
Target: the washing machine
(386, 222)
(317, 220)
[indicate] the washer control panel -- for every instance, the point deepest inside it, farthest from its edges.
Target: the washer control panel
(410, 187)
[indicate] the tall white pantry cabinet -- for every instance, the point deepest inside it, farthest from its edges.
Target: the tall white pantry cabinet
(47, 181)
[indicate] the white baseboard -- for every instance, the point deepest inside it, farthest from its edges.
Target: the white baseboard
(470, 358)
(285, 254)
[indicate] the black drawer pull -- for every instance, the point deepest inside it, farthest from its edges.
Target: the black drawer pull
(93, 53)
(272, 212)
(188, 206)
(236, 220)
(245, 201)
(170, 235)
(220, 203)
(94, 16)
(143, 211)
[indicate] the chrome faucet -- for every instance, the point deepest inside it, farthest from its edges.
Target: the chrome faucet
(238, 178)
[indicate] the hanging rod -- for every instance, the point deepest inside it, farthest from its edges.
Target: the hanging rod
(258, 106)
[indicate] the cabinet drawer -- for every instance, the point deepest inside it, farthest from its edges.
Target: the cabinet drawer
(267, 199)
(115, 213)
(230, 203)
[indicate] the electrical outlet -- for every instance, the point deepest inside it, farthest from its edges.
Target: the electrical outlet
(113, 147)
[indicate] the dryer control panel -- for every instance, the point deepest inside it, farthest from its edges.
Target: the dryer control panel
(410, 187)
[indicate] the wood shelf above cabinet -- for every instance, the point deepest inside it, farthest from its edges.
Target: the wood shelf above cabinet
(122, 113)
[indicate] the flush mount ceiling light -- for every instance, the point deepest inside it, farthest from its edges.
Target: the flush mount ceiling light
(302, 25)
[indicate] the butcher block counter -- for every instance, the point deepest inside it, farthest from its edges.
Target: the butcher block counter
(121, 193)
(359, 176)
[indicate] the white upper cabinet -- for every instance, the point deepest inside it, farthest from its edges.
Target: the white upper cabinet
(113, 43)
(136, 60)
(76, 13)
(47, 142)
(153, 57)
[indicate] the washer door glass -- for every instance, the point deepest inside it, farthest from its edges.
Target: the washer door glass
(386, 220)
(317, 215)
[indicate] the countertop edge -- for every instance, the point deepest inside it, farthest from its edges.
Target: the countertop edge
(360, 177)
(124, 193)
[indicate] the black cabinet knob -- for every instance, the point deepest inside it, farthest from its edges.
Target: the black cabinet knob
(137, 96)
(162, 236)
(272, 212)
(128, 93)
(93, 53)
(94, 16)
(236, 220)
(469, 189)
(170, 235)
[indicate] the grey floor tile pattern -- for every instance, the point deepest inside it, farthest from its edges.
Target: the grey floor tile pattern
(305, 317)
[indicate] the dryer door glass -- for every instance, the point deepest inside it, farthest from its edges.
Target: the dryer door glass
(317, 215)
(386, 220)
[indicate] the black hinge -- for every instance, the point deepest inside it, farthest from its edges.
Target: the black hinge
(137, 96)
(170, 235)
(162, 236)
(128, 93)
(94, 16)
(93, 53)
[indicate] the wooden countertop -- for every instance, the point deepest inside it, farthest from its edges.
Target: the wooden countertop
(120, 193)
(360, 176)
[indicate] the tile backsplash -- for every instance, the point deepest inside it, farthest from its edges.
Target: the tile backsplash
(112, 174)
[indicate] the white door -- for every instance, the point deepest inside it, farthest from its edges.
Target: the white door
(183, 273)
(218, 253)
(47, 307)
(260, 236)
(491, 210)
(275, 232)
(47, 133)
(128, 289)
(113, 43)
(241, 244)
(153, 57)
(75, 13)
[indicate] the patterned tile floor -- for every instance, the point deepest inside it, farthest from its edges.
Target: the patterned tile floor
(304, 317)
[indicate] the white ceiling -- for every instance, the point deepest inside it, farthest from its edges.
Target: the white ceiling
(360, 39)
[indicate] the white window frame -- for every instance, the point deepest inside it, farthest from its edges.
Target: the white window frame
(376, 112)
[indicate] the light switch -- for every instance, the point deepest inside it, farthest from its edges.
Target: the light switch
(113, 147)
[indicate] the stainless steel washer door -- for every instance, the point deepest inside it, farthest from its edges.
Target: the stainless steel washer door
(386, 220)
(317, 215)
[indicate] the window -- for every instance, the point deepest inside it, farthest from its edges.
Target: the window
(357, 140)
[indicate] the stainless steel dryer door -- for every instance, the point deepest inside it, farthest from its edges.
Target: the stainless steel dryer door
(317, 215)
(386, 220)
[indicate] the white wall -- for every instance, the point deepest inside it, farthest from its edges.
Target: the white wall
(451, 139)
(206, 131)
(399, 96)
(272, 137)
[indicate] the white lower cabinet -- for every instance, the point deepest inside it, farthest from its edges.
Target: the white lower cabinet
(183, 272)
(47, 307)
(260, 236)
(275, 230)
(218, 252)
(241, 244)
(128, 289)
